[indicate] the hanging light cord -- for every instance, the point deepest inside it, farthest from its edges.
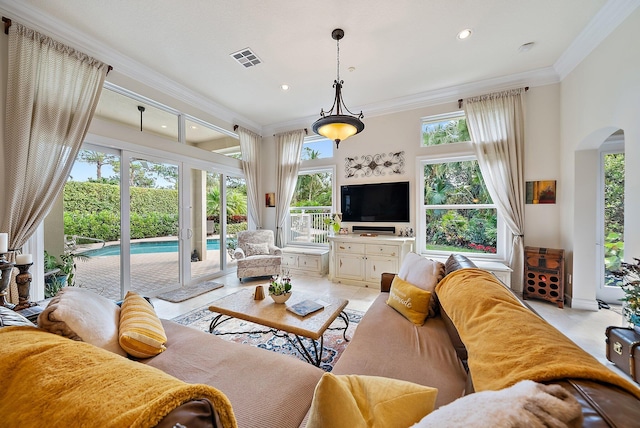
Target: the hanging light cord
(338, 61)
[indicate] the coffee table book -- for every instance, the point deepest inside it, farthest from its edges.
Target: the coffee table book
(305, 307)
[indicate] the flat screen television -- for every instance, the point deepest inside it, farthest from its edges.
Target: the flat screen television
(380, 202)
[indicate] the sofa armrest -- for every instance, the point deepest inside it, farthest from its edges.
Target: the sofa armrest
(238, 254)
(385, 281)
(275, 251)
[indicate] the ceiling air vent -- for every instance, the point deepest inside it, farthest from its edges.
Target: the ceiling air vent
(246, 58)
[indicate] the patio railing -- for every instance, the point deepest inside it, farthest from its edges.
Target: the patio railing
(307, 225)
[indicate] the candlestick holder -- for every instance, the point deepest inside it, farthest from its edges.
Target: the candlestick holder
(23, 280)
(6, 268)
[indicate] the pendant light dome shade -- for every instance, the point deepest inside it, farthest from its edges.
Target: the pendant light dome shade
(336, 125)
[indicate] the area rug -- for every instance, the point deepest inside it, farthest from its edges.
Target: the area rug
(334, 343)
(186, 293)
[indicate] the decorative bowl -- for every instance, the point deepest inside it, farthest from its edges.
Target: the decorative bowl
(280, 298)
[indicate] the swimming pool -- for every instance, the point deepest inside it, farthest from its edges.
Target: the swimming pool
(147, 248)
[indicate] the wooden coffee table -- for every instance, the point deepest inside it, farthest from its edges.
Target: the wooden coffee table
(282, 322)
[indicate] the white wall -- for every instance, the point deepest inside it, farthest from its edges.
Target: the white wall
(598, 97)
(402, 131)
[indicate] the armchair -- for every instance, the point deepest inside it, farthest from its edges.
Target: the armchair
(257, 254)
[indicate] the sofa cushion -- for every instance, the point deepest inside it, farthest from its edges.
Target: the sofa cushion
(78, 384)
(368, 401)
(81, 314)
(410, 301)
(526, 404)
(419, 354)
(9, 317)
(141, 331)
(267, 389)
(424, 273)
(255, 249)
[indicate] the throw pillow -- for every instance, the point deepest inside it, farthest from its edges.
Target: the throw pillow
(81, 314)
(9, 317)
(424, 273)
(354, 401)
(410, 301)
(141, 331)
(256, 249)
(525, 404)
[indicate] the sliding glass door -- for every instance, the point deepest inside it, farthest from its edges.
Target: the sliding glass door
(154, 224)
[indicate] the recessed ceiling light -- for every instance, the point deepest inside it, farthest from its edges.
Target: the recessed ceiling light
(284, 87)
(464, 34)
(193, 127)
(163, 126)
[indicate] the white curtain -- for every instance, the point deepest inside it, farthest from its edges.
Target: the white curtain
(52, 93)
(496, 125)
(288, 149)
(250, 147)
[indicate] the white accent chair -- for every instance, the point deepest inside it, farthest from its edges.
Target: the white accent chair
(257, 254)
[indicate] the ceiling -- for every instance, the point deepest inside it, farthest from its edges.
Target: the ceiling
(403, 52)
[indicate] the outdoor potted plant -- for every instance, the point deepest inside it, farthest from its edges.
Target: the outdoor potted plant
(629, 273)
(59, 273)
(280, 288)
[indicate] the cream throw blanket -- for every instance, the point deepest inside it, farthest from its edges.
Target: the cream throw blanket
(49, 380)
(507, 343)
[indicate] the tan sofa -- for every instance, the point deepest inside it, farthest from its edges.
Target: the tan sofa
(267, 389)
(385, 344)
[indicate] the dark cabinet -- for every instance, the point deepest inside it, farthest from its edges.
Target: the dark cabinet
(544, 274)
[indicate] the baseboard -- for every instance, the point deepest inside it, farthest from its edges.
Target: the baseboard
(583, 304)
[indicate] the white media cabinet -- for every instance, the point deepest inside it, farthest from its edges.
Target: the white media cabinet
(359, 260)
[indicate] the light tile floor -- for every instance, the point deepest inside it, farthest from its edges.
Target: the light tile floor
(585, 328)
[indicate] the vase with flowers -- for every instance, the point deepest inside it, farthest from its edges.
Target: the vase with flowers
(280, 287)
(629, 273)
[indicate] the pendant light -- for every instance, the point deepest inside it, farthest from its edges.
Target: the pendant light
(336, 125)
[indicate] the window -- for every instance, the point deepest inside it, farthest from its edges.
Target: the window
(457, 213)
(311, 204)
(445, 129)
(316, 148)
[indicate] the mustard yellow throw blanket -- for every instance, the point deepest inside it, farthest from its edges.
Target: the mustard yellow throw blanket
(49, 380)
(507, 343)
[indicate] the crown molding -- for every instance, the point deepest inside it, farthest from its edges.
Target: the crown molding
(608, 18)
(539, 77)
(612, 14)
(39, 21)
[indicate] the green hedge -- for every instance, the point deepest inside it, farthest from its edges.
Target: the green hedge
(93, 210)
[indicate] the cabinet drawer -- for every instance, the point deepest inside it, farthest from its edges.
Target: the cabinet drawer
(345, 247)
(289, 260)
(382, 250)
(309, 263)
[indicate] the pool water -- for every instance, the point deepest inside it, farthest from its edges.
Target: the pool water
(147, 248)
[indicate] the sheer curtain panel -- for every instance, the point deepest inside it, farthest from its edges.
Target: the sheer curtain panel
(52, 93)
(288, 150)
(496, 125)
(250, 147)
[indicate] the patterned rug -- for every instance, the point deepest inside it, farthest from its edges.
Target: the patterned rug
(334, 343)
(186, 293)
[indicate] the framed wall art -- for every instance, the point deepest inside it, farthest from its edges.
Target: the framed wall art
(541, 192)
(270, 200)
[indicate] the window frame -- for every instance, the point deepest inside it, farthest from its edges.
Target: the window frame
(307, 171)
(444, 153)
